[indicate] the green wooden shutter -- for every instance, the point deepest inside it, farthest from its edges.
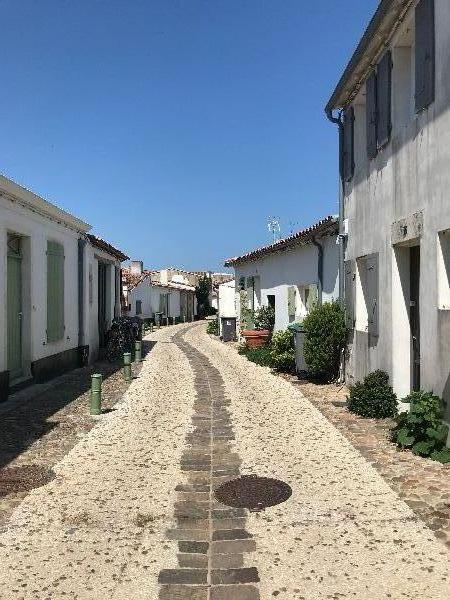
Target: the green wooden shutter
(313, 297)
(372, 293)
(55, 291)
(291, 303)
(350, 292)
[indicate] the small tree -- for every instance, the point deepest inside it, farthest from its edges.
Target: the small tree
(265, 318)
(324, 339)
(202, 292)
(373, 397)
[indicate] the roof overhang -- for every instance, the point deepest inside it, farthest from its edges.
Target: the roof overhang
(327, 226)
(107, 247)
(387, 17)
(35, 203)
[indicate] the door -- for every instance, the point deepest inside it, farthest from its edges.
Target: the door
(14, 307)
(414, 314)
(102, 324)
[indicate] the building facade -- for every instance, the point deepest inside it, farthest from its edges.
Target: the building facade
(290, 275)
(393, 100)
(146, 293)
(45, 315)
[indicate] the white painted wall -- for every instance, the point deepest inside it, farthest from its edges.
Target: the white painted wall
(37, 230)
(149, 294)
(410, 174)
(296, 266)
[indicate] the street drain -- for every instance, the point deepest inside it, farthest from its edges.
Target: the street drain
(23, 479)
(253, 492)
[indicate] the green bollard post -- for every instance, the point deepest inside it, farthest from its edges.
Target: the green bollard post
(96, 394)
(127, 366)
(137, 351)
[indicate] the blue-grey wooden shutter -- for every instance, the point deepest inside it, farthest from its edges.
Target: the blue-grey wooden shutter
(372, 293)
(55, 291)
(384, 77)
(348, 145)
(371, 115)
(424, 54)
(349, 281)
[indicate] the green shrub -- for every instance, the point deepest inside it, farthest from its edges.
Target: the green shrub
(282, 351)
(422, 428)
(264, 318)
(213, 327)
(260, 356)
(373, 397)
(325, 332)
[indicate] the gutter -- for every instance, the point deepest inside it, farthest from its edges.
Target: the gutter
(319, 269)
(338, 121)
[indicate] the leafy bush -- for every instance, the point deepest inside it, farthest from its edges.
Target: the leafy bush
(260, 356)
(422, 429)
(325, 332)
(282, 351)
(213, 327)
(264, 318)
(374, 397)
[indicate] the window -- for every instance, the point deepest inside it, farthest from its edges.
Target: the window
(242, 283)
(444, 270)
(139, 307)
(384, 77)
(271, 300)
(378, 106)
(424, 54)
(55, 291)
(348, 161)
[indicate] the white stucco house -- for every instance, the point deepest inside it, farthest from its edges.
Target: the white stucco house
(290, 274)
(391, 106)
(49, 273)
(149, 292)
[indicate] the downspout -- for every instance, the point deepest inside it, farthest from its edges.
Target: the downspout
(81, 340)
(319, 270)
(338, 121)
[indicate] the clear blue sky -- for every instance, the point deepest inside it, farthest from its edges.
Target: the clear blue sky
(176, 127)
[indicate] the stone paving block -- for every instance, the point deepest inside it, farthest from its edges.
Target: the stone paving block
(193, 547)
(229, 576)
(233, 546)
(185, 576)
(183, 592)
(230, 534)
(234, 592)
(226, 561)
(195, 561)
(194, 535)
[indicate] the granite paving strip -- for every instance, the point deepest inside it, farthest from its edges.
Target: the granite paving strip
(344, 533)
(212, 538)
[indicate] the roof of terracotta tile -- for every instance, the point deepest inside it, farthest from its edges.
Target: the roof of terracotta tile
(133, 279)
(327, 225)
(106, 247)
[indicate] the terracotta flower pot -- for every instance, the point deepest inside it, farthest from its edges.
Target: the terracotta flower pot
(255, 338)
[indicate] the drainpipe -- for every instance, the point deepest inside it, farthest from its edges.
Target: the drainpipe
(338, 121)
(319, 270)
(81, 246)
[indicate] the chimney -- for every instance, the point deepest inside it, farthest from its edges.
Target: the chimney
(136, 267)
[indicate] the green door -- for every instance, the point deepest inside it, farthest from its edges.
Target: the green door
(14, 307)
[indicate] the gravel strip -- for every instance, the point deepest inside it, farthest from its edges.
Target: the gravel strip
(344, 533)
(98, 529)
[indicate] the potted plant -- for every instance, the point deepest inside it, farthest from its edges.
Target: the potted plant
(263, 321)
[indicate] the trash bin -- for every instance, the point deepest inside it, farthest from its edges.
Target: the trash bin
(228, 329)
(299, 341)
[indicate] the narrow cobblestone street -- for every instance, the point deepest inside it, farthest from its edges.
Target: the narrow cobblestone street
(131, 512)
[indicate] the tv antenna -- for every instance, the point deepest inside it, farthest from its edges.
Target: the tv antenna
(273, 225)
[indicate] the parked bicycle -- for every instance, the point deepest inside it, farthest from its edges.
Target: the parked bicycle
(122, 336)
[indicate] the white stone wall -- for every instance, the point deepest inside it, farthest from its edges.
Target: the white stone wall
(297, 266)
(411, 174)
(37, 230)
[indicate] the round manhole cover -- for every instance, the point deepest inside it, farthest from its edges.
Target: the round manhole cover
(23, 479)
(253, 492)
